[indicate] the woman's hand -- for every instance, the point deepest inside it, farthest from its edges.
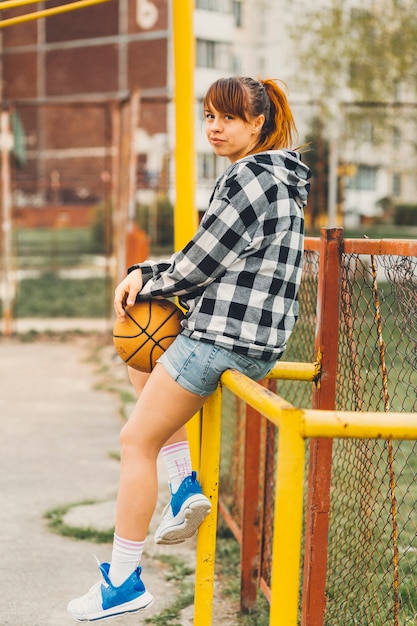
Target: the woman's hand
(126, 292)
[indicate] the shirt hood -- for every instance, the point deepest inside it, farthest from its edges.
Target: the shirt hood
(286, 167)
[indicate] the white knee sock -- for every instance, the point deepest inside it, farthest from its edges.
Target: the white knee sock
(125, 558)
(178, 463)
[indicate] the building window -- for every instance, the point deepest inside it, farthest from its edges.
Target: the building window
(236, 65)
(206, 166)
(262, 23)
(262, 66)
(213, 54)
(237, 13)
(210, 166)
(396, 138)
(205, 53)
(396, 185)
(364, 180)
(221, 6)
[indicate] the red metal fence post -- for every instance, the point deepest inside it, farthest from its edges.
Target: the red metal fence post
(324, 395)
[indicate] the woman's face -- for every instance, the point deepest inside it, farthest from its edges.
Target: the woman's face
(231, 136)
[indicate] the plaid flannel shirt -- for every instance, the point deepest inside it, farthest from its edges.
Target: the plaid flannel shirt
(238, 277)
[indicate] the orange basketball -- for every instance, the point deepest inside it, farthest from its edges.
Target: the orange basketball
(149, 329)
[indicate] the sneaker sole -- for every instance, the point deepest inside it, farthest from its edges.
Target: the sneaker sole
(194, 514)
(145, 602)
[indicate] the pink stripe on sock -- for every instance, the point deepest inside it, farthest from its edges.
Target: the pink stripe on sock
(127, 543)
(175, 447)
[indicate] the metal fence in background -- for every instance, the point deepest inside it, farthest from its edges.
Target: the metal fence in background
(360, 557)
(372, 570)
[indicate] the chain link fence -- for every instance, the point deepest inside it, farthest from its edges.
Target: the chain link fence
(372, 548)
(372, 568)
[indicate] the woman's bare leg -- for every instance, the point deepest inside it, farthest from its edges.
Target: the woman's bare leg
(161, 412)
(139, 380)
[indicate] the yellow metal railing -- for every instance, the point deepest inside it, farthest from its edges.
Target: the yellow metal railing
(295, 425)
(35, 15)
(287, 370)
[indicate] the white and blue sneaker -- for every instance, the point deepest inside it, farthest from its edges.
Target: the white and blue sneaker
(184, 514)
(104, 601)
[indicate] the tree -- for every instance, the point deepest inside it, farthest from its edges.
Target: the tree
(316, 157)
(361, 57)
(368, 48)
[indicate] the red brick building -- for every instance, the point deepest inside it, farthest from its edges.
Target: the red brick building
(69, 77)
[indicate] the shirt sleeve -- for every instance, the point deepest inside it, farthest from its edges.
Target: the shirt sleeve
(222, 237)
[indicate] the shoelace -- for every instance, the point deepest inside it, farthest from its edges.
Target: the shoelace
(167, 512)
(94, 588)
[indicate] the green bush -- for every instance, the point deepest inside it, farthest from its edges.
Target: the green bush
(405, 215)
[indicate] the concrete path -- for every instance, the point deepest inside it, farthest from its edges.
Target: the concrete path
(57, 435)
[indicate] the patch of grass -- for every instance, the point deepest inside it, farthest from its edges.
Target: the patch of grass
(57, 525)
(127, 396)
(178, 570)
(53, 246)
(181, 572)
(49, 295)
(228, 571)
(171, 615)
(50, 335)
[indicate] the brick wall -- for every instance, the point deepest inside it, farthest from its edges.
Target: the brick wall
(50, 67)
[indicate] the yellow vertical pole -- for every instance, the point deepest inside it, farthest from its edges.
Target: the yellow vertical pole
(185, 215)
(206, 545)
(288, 517)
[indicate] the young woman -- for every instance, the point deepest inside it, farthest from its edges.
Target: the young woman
(238, 280)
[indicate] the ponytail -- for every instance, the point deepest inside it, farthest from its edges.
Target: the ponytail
(279, 128)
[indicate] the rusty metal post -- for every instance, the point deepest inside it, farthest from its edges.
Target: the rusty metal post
(124, 124)
(116, 131)
(324, 397)
(6, 284)
(122, 207)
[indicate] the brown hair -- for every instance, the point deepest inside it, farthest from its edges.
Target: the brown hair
(245, 98)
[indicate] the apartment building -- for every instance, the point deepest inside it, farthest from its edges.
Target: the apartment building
(370, 171)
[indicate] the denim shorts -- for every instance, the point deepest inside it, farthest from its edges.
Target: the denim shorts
(197, 365)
